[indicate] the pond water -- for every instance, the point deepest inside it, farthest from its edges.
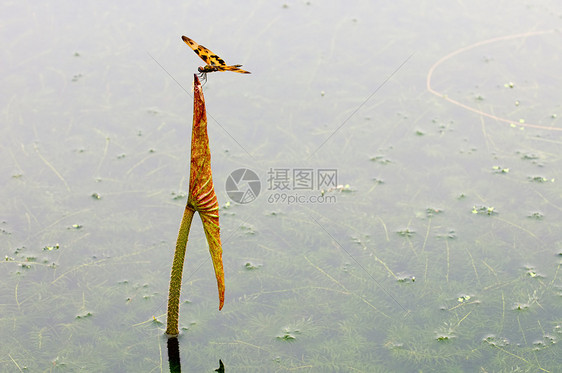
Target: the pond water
(408, 158)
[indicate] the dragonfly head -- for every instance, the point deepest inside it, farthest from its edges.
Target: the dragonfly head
(207, 69)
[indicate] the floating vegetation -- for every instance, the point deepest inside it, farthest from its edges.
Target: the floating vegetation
(339, 188)
(179, 196)
(406, 232)
(529, 156)
(380, 159)
(52, 247)
(4, 231)
(58, 363)
(509, 85)
(483, 210)
(405, 278)
(288, 335)
(530, 271)
(500, 170)
(546, 341)
(250, 266)
(451, 234)
(84, 315)
(343, 188)
(496, 341)
(446, 333)
(536, 215)
(96, 196)
(431, 211)
(443, 337)
(521, 306)
(539, 179)
(248, 229)
(393, 345)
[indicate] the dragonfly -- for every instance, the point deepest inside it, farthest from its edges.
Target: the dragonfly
(213, 62)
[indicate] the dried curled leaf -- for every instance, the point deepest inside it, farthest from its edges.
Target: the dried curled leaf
(202, 197)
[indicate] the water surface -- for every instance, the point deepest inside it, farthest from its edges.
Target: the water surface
(438, 252)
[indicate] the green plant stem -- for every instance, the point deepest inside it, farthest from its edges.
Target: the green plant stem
(177, 271)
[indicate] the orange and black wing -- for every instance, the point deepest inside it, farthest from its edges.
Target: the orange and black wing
(211, 59)
(205, 54)
(234, 68)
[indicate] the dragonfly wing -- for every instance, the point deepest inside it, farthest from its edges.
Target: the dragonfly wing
(213, 61)
(235, 68)
(203, 53)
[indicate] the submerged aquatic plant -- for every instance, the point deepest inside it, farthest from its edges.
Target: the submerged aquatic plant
(201, 198)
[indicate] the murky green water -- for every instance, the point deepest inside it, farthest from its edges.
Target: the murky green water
(440, 251)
